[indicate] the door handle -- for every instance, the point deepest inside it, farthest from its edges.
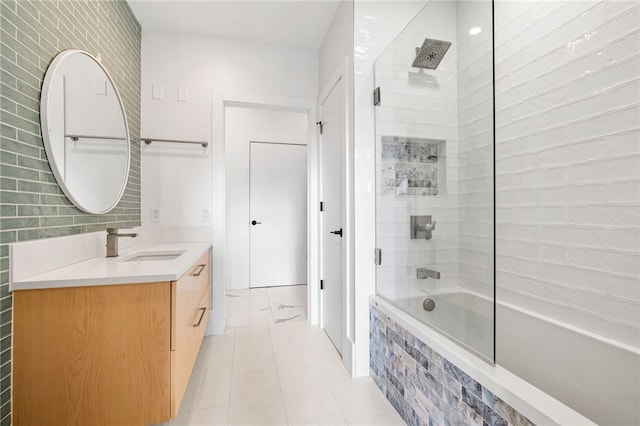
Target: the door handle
(338, 232)
(255, 222)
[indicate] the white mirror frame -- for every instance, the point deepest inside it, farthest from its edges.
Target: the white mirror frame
(49, 144)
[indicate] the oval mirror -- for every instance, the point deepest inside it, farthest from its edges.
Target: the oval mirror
(85, 132)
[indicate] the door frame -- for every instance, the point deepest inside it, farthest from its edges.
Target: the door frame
(342, 73)
(220, 102)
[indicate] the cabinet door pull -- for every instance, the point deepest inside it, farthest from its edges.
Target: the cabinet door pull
(204, 311)
(199, 271)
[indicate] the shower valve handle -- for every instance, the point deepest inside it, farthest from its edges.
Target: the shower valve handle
(429, 226)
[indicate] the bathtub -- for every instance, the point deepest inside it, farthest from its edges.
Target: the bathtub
(595, 377)
(462, 316)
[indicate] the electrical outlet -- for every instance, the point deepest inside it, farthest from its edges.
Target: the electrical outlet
(155, 214)
(206, 214)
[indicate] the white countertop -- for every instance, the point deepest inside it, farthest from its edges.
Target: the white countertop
(117, 270)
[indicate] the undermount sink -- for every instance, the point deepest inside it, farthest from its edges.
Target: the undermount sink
(143, 257)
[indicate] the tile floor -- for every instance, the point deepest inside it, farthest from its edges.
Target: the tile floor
(262, 306)
(271, 367)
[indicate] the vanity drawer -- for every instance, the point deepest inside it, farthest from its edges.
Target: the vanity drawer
(190, 297)
(186, 294)
(201, 273)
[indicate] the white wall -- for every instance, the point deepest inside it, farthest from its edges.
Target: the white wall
(568, 163)
(181, 181)
(376, 24)
(202, 67)
(243, 125)
(337, 43)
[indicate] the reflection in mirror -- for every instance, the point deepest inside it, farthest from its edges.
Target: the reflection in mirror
(85, 131)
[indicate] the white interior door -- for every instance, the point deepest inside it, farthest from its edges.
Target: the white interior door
(332, 193)
(278, 214)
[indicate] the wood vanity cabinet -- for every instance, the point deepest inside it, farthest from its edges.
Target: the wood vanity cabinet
(110, 354)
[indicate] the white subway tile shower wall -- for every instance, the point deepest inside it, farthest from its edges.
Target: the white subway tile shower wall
(419, 104)
(568, 185)
(475, 127)
(568, 163)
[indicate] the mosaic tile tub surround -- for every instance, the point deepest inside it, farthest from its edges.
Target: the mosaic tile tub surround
(426, 388)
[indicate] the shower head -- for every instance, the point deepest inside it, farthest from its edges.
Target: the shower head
(430, 54)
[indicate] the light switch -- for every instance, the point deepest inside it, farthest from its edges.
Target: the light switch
(206, 214)
(157, 92)
(183, 94)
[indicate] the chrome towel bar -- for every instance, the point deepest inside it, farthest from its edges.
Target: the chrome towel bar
(149, 140)
(76, 137)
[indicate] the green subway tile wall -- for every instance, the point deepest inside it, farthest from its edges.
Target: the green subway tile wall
(32, 206)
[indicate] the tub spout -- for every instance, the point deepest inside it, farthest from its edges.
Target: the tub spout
(424, 273)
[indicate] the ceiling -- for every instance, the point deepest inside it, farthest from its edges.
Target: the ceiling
(290, 23)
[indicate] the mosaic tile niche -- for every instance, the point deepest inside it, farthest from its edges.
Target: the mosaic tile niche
(426, 388)
(412, 166)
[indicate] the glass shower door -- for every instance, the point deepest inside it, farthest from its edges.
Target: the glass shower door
(434, 171)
